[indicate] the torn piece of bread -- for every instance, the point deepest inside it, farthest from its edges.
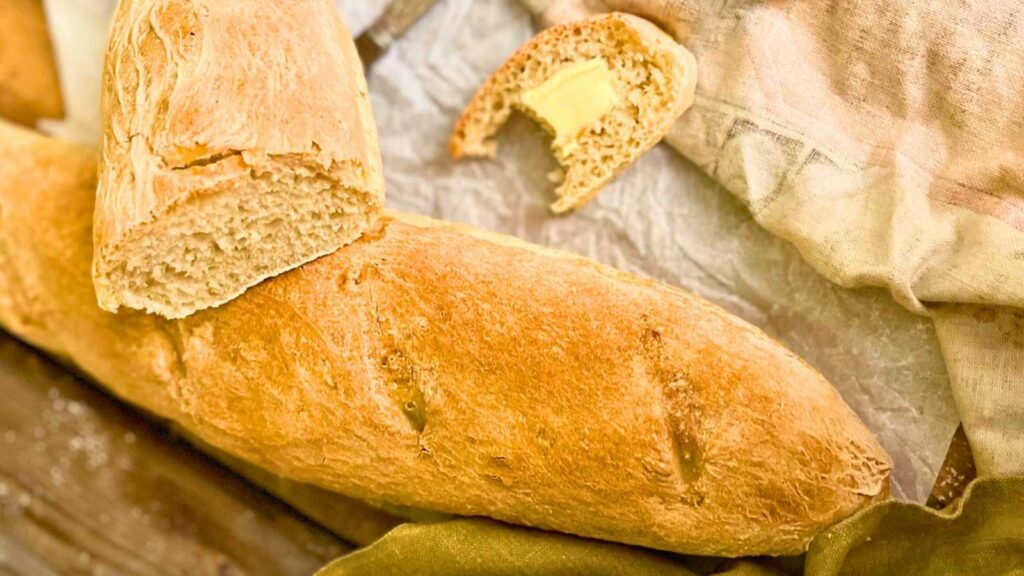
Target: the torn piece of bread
(238, 143)
(606, 88)
(29, 87)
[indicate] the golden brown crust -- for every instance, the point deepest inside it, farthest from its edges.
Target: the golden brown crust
(458, 370)
(29, 87)
(201, 97)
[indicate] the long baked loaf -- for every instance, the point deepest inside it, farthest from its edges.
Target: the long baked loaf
(457, 370)
(238, 143)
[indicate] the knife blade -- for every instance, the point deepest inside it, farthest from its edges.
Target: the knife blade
(398, 17)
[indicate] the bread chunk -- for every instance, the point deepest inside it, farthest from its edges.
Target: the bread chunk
(606, 88)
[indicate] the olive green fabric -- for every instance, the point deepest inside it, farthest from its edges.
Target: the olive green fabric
(748, 568)
(475, 546)
(983, 535)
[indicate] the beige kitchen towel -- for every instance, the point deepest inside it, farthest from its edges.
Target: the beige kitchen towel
(984, 349)
(885, 140)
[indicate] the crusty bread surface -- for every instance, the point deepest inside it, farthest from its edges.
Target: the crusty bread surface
(452, 369)
(238, 143)
(29, 86)
(654, 76)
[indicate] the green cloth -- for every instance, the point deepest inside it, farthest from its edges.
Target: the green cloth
(983, 535)
(476, 546)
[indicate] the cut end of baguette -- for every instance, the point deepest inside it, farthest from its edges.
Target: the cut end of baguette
(654, 79)
(230, 237)
(234, 149)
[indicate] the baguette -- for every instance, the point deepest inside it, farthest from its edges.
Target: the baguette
(649, 79)
(29, 87)
(238, 143)
(452, 369)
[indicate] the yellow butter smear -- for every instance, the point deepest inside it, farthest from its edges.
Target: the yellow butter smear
(573, 98)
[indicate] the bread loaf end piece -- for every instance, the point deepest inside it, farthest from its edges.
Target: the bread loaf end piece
(238, 143)
(653, 78)
(29, 87)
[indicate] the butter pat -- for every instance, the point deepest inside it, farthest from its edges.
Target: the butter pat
(573, 98)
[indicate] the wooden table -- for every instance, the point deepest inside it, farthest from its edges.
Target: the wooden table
(89, 486)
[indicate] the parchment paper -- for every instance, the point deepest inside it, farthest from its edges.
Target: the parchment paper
(663, 218)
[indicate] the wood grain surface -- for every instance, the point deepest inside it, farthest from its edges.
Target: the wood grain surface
(956, 473)
(88, 486)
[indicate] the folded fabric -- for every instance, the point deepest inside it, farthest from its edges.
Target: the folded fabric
(983, 535)
(477, 546)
